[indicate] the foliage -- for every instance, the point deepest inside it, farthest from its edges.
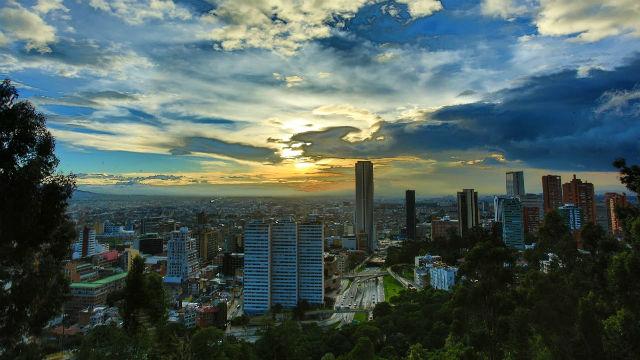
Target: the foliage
(35, 231)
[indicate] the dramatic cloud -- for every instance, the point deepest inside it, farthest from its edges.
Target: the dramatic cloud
(136, 12)
(284, 26)
(47, 6)
(589, 20)
(20, 24)
(557, 121)
(222, 148)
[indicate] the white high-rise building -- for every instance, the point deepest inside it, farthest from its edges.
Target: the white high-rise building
(182, 255)
(311, 262)
(257, 268)
(283, 264)
(364, 223)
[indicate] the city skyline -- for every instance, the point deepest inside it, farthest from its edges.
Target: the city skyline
(167, 99)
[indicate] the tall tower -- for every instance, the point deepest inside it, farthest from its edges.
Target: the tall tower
(468, 215)
(410, 207)
(552, 192)
(364, 204)
(582, 195)
(515, 183)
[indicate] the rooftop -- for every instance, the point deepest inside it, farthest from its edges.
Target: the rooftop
(101, 282)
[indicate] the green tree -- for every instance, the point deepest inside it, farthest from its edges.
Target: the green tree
(208, 343)
(35, 231)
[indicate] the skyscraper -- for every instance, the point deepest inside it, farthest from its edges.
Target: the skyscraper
(582, 195)
(611, 202)
(410, 207)
(515, 183)
(468, 215)
(364, 204)
(551, 192)
(88, 240)
(512, 224)
(283, 264)
(182, 255)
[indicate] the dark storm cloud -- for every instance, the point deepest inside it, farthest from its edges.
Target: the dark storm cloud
(219, 147)
(554, 121)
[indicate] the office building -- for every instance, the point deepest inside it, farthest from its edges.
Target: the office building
(283, 264)
(311, 262)
(612, 201)
(257, 268)
(512, 224)
(573, 216)
(468, 215)
(410, 210)
(182, 255)
(88, 295)
(551, 192)
(364, 223)
(515, 183)
(88, 241)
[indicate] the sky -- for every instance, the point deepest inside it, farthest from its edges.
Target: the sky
(281, 98)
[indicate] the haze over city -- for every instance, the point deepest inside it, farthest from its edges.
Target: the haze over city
(319, 179)
(277, 98)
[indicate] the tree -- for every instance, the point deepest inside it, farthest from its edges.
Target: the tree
(134, 296)
(207, 343)
(35, 232)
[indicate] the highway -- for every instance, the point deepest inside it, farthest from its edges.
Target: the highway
(363, 293)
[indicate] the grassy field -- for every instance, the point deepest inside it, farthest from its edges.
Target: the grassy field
(391, 287)
(360, 317)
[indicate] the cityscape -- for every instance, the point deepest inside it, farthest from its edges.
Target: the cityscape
(331, 180)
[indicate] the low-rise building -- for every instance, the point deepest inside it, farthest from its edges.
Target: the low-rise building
(88, 295)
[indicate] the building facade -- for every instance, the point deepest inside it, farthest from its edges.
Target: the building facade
(284, 264)
(573, 216)
(257, 268)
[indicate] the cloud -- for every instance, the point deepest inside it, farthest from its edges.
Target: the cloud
(620, 101)
(505, 9)
(47, 6)
(20, 24)
(588, 20)
(129, 180)
(219, 147)
(136, 12)
(555, 121)
(283, 26)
